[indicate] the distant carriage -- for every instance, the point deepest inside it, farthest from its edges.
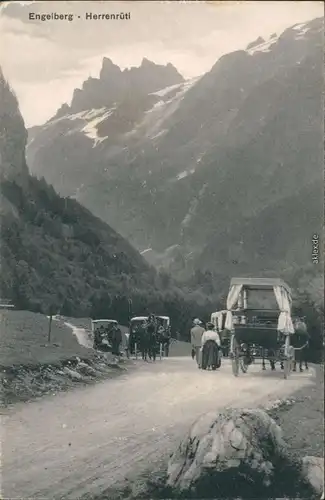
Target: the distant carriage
(259, 319)
(135, 333)
(218, 318)
(164, 333)
(101, 333)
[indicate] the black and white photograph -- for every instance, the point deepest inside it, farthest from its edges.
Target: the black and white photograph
(162, 250)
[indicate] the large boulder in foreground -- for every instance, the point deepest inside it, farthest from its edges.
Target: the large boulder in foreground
(313, 469)
(236, 454)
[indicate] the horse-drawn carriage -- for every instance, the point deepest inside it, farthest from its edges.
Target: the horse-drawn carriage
(163, 333)
(136, 327)
(101, 330)
(161, 337)
(218, 319)
(259, 319)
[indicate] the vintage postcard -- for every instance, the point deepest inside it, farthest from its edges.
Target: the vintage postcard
(161, 285)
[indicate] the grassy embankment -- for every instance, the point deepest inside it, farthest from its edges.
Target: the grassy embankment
(31, 366)
(24, 340)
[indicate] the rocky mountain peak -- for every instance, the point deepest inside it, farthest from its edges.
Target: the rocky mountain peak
(109, 69)
(114, 84)
(258, 41)
(146, 63)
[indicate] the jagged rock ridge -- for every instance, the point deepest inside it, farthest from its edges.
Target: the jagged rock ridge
(199, 166)
(114, 84)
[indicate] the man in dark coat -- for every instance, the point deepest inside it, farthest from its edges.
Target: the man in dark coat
(116, 340)
(152, 328)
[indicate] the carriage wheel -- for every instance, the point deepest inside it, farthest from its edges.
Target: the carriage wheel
(234, 356)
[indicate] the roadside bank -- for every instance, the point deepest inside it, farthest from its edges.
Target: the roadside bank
(33, 365)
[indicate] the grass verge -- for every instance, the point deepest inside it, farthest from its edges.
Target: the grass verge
(31, 366)
(24, 340)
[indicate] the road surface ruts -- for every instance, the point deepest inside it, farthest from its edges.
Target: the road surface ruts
(86, 440)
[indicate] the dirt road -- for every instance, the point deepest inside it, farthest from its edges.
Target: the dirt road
(81, 442)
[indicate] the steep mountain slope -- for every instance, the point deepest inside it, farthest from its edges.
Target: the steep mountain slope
(273, 174)
(48, 242)
(56, 254)
(104, 118)
(193, 170)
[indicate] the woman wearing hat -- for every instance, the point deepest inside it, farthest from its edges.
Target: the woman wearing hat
(210, 348)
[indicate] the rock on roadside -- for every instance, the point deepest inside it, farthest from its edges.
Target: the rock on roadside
(313, 470)
(235, 454)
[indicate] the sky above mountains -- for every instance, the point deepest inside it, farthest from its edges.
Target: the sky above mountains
(46, 60)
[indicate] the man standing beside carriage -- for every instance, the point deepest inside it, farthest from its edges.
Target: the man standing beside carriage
(196, 338)
(149, 338)
(300, 341)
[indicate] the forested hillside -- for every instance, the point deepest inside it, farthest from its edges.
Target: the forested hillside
(57, 256)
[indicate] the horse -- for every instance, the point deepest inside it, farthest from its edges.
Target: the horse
(269, 355)
(300, 342)
(163, 337)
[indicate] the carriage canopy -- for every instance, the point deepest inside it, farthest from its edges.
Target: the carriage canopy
(218, 319)
(97, 323)
(136, 321)
(164, 321)
(237, 296)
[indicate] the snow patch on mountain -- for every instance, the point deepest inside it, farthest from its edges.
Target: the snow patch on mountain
(193, 209)
(263, 47)
(301, 34)
(159, 134)
(145, 251)
(167, 90)
(152, 122)
(185, 173)
(298, 27)
(158, 104)
(302, 29)
(90, 130)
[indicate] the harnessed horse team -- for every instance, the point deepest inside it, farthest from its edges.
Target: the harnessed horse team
(148, 335)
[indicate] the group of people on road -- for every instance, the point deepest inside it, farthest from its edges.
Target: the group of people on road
(108, 338)
(206, 345)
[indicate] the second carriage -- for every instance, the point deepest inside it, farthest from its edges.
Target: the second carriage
(218, 319)
(259, 321)
(163, 335)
